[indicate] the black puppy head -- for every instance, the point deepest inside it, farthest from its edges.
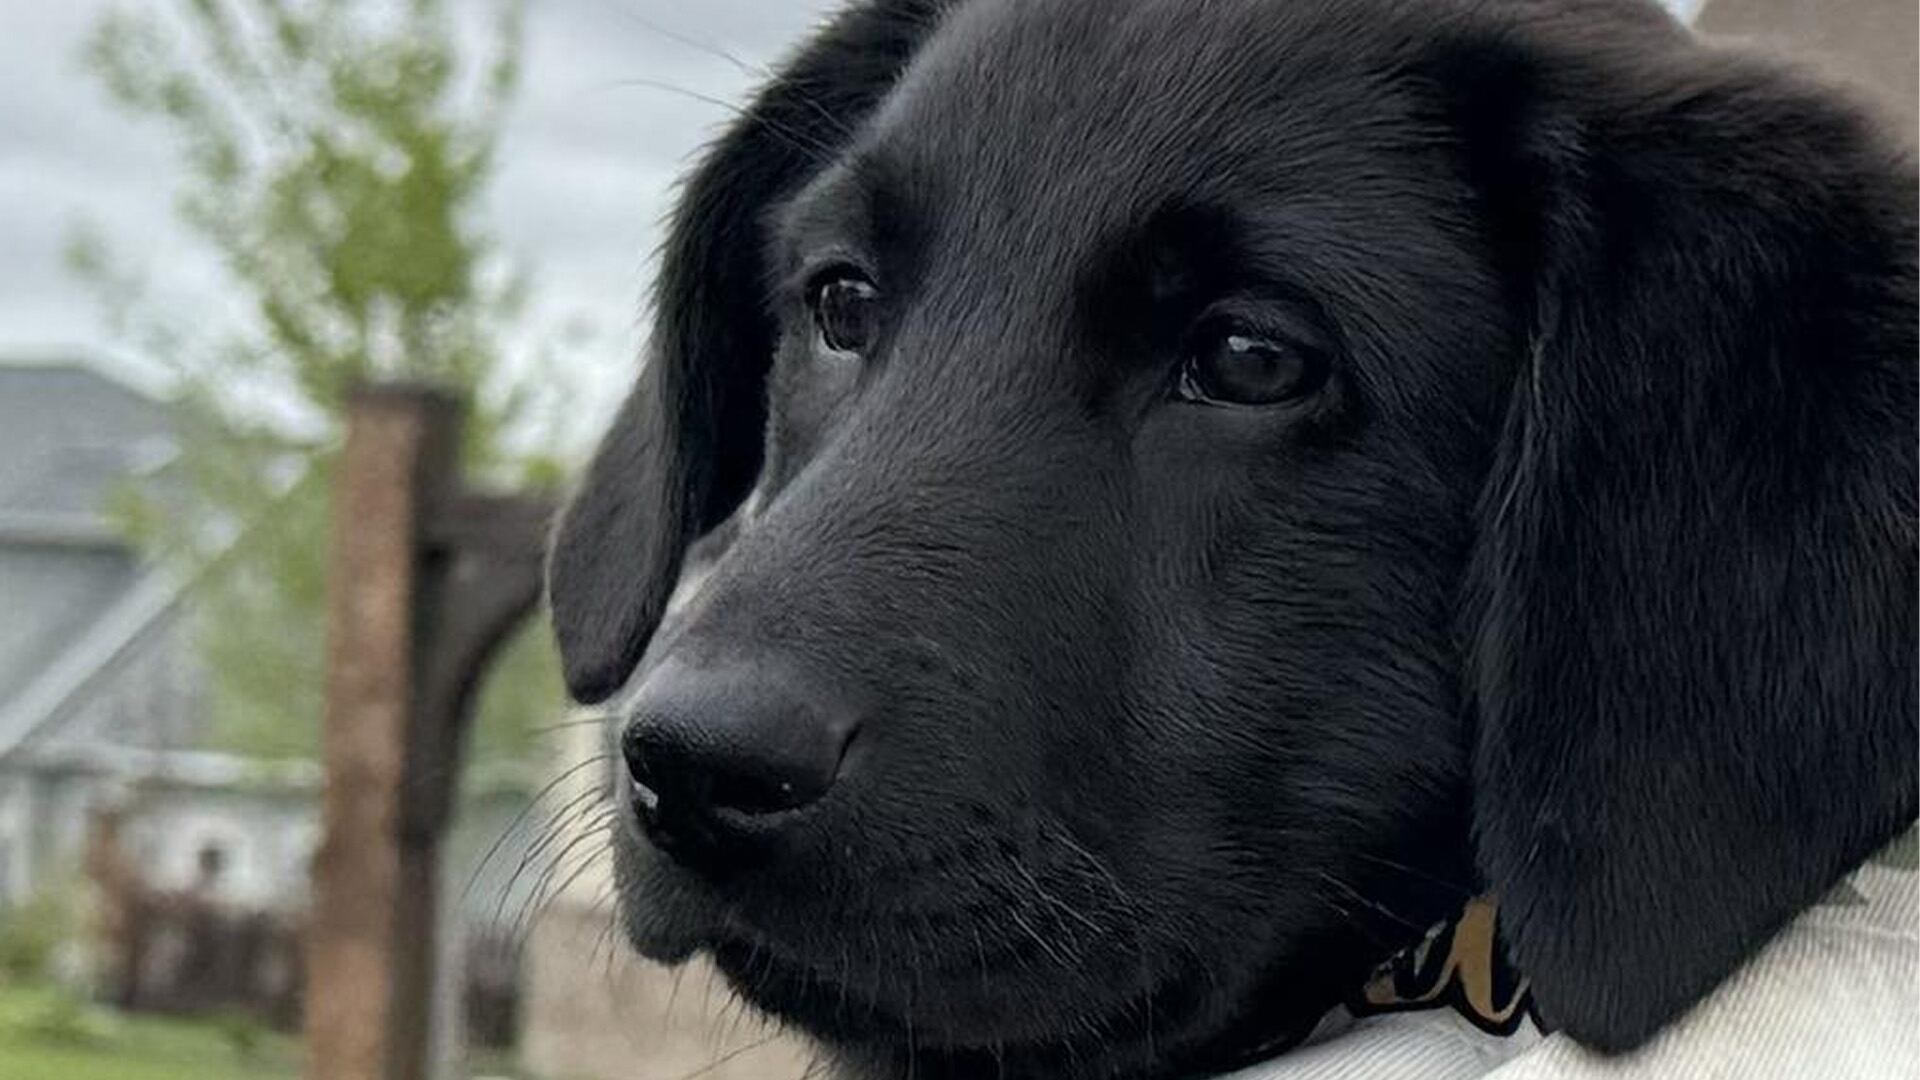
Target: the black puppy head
(1225, 469)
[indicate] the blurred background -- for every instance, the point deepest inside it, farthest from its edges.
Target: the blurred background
(288, 784)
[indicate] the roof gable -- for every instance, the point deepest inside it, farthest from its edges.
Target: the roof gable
(69, 437)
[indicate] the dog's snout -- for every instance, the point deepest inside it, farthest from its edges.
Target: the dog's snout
(716, 754)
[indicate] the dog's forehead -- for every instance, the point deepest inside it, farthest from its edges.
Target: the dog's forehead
(1091, 107)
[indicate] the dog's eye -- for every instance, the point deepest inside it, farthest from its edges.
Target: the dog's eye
(844, 306)
(1237, 366)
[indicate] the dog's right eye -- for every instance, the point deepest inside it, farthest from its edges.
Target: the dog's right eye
(845, 307)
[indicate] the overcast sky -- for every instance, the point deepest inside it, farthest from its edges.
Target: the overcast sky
(586, 165)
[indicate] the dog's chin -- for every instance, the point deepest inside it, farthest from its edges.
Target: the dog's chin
(966, 1027)
(1020, 1013)
(874, 995)
(943, 1007)
(859, 990)
(667, 914)
(663, 942)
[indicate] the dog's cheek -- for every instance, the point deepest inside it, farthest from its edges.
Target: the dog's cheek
(1300, 693)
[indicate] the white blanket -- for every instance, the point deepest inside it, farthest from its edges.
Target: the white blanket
(1835, 996)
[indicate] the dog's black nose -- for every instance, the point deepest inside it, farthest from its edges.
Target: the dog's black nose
(718, 754)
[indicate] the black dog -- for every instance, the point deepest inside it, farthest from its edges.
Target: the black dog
(1216, 483)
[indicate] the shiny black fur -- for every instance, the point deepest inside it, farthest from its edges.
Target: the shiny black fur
(1588, 578)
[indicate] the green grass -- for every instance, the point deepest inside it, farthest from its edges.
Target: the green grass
(47, 1035)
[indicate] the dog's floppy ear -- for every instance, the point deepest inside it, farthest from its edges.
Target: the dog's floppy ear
(687, 444)
(1690, 617)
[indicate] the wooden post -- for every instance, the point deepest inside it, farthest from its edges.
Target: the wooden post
(426, 580)
(366, 896)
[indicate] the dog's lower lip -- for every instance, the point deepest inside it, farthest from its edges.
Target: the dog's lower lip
(666, 949)
(825, 986)
(666, 941)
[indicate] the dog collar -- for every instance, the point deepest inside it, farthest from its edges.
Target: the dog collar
(1458, 965)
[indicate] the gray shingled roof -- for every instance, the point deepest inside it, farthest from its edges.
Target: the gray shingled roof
(69, 436)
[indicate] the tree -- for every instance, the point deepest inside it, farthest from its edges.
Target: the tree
(334, 156)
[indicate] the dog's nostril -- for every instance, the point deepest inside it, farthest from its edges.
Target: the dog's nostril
(707, 748)
(641, 792)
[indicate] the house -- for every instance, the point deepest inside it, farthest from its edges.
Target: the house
(100, 688)
(94, 665)
(103, 717)
(102, 693)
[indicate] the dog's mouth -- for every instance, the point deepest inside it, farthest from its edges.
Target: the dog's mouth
(886, 985)
(986, 979)
(1014, 1005)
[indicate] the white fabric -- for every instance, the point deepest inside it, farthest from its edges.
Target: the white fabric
(1835, 996)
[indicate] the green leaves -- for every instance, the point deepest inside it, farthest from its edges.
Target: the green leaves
(334, 158)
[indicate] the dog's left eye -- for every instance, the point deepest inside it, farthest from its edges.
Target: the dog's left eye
(844, 311)
(1238, 366)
